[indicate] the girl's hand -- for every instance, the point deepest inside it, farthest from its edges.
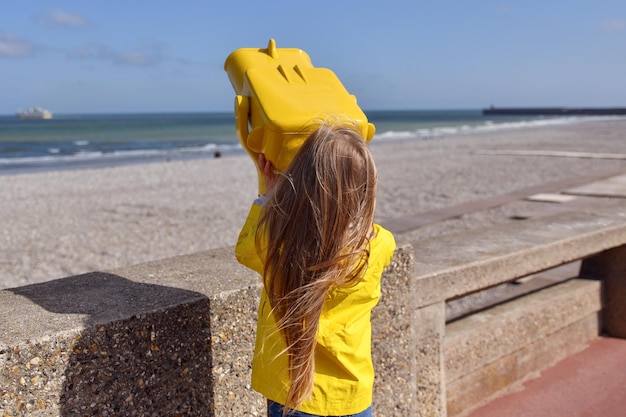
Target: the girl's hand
(268, 172)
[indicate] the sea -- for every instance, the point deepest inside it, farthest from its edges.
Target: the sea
(95, 140)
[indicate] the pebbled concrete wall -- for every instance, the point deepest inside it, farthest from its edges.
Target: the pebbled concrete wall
(167, 338)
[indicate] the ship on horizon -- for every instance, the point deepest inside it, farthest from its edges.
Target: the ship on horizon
(34, 113)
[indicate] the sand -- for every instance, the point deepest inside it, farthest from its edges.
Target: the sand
(62, 223)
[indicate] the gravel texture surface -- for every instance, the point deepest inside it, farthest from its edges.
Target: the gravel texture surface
(61, 223)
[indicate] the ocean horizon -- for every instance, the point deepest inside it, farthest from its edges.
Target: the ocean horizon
(69, 141)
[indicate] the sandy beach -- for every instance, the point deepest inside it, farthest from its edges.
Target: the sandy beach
(62, 223)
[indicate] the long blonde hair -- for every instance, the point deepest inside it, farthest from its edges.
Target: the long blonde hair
(317, 219)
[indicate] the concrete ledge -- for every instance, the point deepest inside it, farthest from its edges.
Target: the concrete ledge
(166, 337)
(172, 337)
(473, 342)
(506, 373)
(493, 350)
(456, 265)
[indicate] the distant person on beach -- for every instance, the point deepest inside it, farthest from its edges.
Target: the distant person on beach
(313, 240)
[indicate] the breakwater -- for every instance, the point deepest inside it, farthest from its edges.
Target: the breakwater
(554, 111)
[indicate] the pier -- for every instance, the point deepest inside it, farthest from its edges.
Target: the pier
(554, 111)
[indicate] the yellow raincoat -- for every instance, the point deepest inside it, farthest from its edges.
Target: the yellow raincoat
(344, 373)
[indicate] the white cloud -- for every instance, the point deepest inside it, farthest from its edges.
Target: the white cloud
(614, 24)
(58, 18)
(137, 58)
(11, 46)
(91, 51)
(145, 55)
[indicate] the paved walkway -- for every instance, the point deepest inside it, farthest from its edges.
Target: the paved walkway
(591, 383)
(591, 183)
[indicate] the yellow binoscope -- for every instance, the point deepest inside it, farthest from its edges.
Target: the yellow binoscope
(281, 98)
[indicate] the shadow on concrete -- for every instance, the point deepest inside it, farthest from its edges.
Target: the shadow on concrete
(142, 349)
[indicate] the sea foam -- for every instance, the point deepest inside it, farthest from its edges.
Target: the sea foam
(488, 126)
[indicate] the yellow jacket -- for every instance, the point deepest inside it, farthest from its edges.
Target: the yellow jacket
(344, 373)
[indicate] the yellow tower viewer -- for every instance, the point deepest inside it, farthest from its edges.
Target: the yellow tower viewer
(281, 98)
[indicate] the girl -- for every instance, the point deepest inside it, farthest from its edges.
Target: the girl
(313, 239)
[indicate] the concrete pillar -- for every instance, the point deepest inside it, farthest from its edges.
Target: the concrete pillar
(429, 325)
(393, 341)
(610, 267)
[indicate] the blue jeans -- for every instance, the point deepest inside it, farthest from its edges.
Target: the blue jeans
(276, 410)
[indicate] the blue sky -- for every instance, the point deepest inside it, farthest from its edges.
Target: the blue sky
(163, 56)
